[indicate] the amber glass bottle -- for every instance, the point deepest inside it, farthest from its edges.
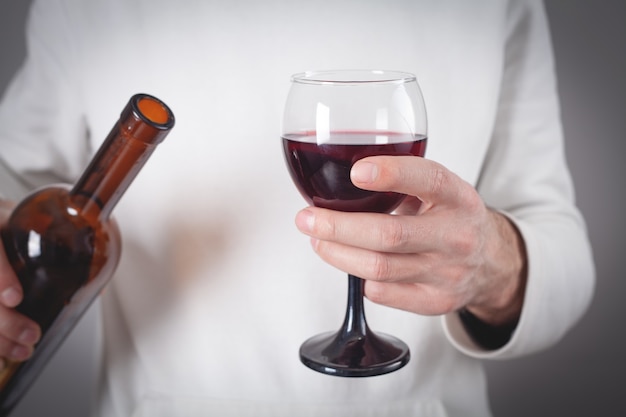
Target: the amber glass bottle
(63, 243)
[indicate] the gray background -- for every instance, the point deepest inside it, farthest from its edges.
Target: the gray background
(585, 374)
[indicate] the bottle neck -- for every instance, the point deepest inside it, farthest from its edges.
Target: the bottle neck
(110, 173)
(143, 124)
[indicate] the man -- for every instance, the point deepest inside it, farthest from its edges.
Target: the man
(487, 258)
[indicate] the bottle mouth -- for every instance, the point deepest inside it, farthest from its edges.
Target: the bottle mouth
(153, 111)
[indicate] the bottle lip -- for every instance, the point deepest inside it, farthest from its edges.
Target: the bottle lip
(152, 111)
(353, 77)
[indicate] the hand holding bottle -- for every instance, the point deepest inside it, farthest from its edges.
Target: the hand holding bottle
(18, 333)
(60, 247)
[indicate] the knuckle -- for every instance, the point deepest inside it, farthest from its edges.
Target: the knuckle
(439, 178)
(388, 173)
(325, 227)
(464, 242)
(456, 277)
(441, 302)
(394, 235)
(472, 200)
(380, 267)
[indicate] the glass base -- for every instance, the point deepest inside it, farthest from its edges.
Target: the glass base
(340, 354)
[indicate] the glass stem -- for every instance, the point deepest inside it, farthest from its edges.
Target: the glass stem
(354, 324)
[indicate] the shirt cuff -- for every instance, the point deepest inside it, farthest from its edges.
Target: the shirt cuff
(458, 334)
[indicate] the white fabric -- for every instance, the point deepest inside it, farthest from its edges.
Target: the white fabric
(216, 288)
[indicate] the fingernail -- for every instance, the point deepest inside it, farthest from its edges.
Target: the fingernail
(28, 336)
(305, 220)
(11, 297)
(364, 172)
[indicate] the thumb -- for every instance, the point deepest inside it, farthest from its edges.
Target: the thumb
(415, 176)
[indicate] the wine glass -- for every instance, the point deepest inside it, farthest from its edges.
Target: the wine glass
(331, 120)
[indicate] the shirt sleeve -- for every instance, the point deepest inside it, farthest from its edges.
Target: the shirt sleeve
(43, 136)
(525, 176)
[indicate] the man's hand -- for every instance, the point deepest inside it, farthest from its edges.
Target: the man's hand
(443, 250)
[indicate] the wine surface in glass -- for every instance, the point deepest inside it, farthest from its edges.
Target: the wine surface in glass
(322, 171)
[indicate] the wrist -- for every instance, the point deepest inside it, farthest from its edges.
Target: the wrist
(502, 303)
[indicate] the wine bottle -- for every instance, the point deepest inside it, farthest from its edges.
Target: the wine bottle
(63, 243)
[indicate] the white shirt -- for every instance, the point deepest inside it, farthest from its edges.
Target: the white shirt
(216, 289)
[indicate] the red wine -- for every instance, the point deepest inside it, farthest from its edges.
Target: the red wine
(322, 171)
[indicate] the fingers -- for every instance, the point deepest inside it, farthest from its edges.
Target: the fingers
(10, 289)
(372, 265)
(415, 298)
(18, 335)
(373, 231)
